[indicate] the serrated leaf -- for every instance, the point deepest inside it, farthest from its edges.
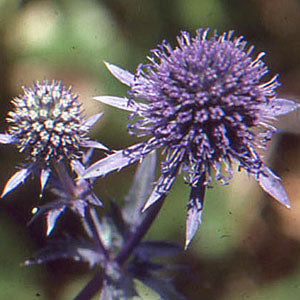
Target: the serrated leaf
(6, 139)
(123, 76)
(15, 180)
(271, 184)
(140, 189)
(194, 211)
(112, 162)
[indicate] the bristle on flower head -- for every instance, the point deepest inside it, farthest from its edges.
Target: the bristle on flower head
(204, 97)
(46, 122)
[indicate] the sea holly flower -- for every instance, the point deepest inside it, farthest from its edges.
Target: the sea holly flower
(206, 104)
(47, 124)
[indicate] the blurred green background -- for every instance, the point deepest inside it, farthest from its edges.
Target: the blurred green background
(248, 246)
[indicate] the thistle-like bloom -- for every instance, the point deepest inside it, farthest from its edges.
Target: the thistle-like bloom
(206, 105)
(47, 124)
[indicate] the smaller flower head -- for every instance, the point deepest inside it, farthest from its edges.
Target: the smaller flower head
(47, 124)
(206, 104)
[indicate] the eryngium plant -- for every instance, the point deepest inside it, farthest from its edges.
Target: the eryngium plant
(47, 124)
(206, 104)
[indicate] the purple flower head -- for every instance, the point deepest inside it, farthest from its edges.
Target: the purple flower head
(206, 104)
(47, 124)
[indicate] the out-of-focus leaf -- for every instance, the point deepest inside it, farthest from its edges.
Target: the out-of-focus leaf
(15, 180)
(123, 76)
(194, 211)
(271, 184)
(115, 161)
(117, 217)
(67, 249)
(104, 228)
(140, 190)
(149, 249)
(164, 288)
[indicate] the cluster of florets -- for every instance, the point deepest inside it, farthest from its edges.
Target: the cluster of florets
(46, 122)
(204, 97)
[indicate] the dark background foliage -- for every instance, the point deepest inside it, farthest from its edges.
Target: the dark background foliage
(248, 246)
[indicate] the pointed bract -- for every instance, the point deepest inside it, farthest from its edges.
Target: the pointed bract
(280, 106)
(90, 122)
(45, 173)
(118, 102)
(6, 139)
(93, 144)
(194, 211)
(140, 189)
(123, 76)
(15, 180)
(115, 161)
(52, 216)
(78, 167)
(271, 184)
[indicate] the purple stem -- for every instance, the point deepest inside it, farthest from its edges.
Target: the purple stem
(89, 217)
(91, 288)
(97, 281)
(140, 231)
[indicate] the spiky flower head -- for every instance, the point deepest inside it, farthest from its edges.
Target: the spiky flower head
(46, 122)
(206, 104)
(205, 97)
